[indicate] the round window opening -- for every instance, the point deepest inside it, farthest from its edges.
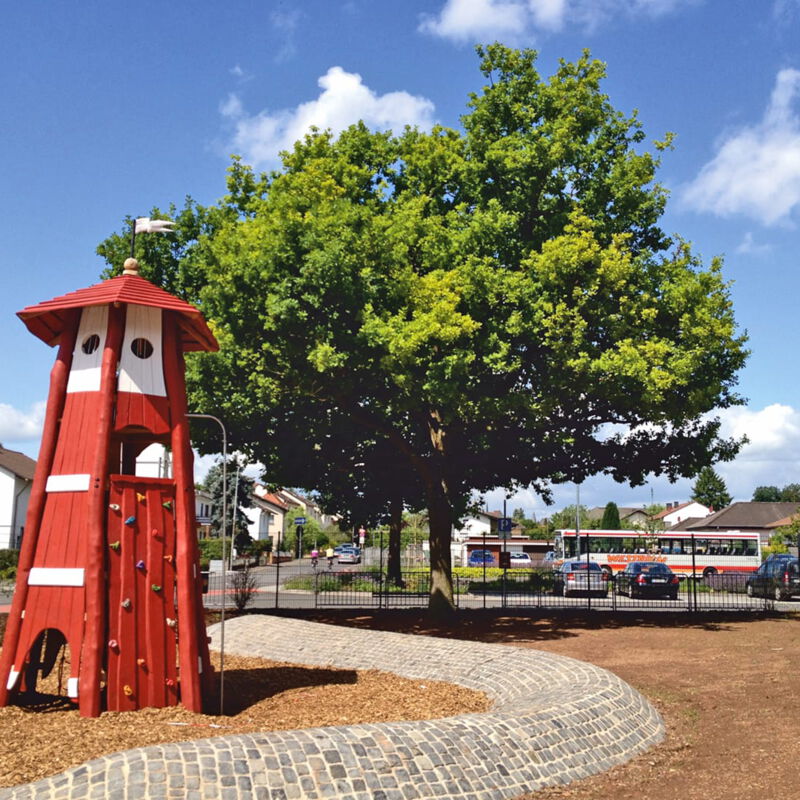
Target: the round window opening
(90, 344)
(141, 348)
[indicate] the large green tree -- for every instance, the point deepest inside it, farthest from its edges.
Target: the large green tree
(497, 305)
(710, 490)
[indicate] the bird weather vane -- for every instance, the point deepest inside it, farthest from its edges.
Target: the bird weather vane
(147, 225)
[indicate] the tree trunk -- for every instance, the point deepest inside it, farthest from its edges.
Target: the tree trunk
(440, 519)
(393, 568)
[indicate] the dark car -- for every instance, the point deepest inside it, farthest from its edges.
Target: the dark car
(479, 558)
(648, 579)
(776, 577)
(580, 577)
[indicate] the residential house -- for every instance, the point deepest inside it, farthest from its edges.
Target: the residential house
(310, 508)
(747, 516)
(267, 516)
(676, 513)
(203, 505)
(629, 517)
(16, 480)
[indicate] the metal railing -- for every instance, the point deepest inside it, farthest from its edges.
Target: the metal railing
(300, 585)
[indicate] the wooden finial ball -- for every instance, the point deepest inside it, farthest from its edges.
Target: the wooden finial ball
(130, 267)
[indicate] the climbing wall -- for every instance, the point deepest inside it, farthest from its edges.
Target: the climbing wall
(141, 655)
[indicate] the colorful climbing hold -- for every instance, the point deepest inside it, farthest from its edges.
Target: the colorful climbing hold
(140, 497)
(155, 531)
(127, 690)
(130, 520)
(168, 559)
(167, 504)
(140, 565)
(114, 506)
(155, 587)
(113, 644)
(172, 623)
(114, 545)
(169, 682)
(141, 662)
(126, 603)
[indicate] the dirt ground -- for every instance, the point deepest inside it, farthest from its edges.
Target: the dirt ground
(727, 686)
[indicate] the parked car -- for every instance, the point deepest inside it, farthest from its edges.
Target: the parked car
(580, 577)
(479, 558)
(350, 555)
(776, 577)
(648, 579)
(520, 560)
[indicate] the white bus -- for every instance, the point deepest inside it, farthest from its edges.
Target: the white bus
(686, 553)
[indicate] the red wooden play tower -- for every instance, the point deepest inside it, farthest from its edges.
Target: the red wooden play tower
(109, 560)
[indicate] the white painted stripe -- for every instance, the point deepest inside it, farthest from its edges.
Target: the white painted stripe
(68, 483)
(142, 375)
(72, 687)
(13, 676)
(55, 576)
(84, 375)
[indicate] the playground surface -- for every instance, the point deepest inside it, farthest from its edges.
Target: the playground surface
(724, 685)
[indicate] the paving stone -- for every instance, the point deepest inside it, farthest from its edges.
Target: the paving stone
(554, 720)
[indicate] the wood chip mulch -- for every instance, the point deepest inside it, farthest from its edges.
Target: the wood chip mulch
(51, 736)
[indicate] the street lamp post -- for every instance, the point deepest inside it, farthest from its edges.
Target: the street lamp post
(224, 573)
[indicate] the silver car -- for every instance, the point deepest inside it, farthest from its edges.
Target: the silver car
(580, 577)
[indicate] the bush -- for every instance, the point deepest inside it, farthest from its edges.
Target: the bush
(8, 564)
(210, 549)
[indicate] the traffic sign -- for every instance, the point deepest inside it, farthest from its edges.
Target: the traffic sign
(299, 520)
(504, 524)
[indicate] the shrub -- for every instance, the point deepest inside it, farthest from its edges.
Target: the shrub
(8, 564)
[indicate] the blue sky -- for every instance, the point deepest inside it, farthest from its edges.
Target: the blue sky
(110, 108)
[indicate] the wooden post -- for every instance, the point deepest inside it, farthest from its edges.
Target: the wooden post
(59, 376)
(94, 639)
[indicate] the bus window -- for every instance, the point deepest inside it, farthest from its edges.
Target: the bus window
(677, 546)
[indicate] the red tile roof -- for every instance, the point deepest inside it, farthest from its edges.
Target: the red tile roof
(47, 320)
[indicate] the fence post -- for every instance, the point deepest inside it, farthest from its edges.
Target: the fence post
(693, 595)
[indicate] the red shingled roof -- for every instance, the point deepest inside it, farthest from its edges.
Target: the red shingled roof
(46, 320)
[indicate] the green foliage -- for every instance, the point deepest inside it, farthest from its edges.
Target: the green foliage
(239, 495)
(566, 518)
(439, 312)
(8, 564)
(767, 494)
(771, 494)
(610, 521)
(210, 549)
(777, 544)
(710, 490)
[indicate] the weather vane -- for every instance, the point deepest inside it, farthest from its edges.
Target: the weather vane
(147, 225)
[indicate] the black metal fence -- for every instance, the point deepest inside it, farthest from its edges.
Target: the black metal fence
(301, 585)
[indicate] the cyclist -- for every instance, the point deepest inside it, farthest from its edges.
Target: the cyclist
(329, 554)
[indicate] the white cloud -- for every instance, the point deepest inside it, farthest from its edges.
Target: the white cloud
(286, 24)
(756, 171)
(21, 426)
(748, 246)
(514, 20)
(344, 100)
(470, 20)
